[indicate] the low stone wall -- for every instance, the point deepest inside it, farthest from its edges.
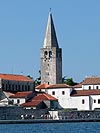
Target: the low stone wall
(63, 114)
(17, 113)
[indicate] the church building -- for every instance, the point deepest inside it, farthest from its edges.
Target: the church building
(51, 56)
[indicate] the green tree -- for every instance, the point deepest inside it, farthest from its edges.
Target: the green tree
(29, 76)
(38, 80)
(68, 81)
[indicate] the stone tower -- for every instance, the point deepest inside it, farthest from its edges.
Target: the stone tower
(51, 56)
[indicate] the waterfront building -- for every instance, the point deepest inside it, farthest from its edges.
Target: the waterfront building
(41, 101)
(84, 96)
(51, 56)
(51, 93)
(21, 97)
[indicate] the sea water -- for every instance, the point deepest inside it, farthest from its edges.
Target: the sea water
(82, 127)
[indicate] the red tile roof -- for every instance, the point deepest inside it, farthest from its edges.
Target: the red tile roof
(8, 94)
(78, 85)
(38, 99)
(15, 77)
(95, 80)
(85, 92)
(58, 86)
(21, 94)
(32, 103)
(42, 86)
(46, 86)
(44, 96)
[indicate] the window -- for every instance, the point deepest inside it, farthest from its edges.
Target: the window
(28, 87)
(53, 92)
(18, 101)
(50, 54)
(97, 87)
(94, 101)
(9, 86)
(98, 101)
(22, 87)
(89, 87)
(47, 73)
(63, 92)
(25, 87)
(16, 87)
(19, 87)
(83, 101)
(12, 86)
(6, 86)
(45, 53)
(3, 86)
(12, 101)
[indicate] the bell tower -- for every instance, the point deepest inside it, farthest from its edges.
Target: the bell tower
(51, 56)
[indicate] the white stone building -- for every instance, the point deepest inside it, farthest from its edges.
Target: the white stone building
(84, 96)
(21, 97)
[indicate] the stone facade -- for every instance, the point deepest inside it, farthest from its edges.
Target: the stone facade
(16, 86)
(51, 57)
(16, 83)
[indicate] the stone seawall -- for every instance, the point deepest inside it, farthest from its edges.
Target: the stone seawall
(80, 115)
(17, 113)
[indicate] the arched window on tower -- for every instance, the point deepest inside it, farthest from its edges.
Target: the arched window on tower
(50, 54)
(45, 53)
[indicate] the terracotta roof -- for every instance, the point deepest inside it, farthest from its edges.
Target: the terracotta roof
(59, 86)
(78, 85)
(42, 86)
(46, 86)
(85, 92)
(8, 94)
(21, 94)
(91, 80)
(31, 104)
(15, 77)
(44, 96)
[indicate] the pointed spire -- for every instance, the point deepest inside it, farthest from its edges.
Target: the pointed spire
(50, 37)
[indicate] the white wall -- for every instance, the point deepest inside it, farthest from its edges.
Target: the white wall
(95, 104)
(61, 98)
(86, 87)
(65, 101)
(21, 100)
(78, 88)
(76, 102)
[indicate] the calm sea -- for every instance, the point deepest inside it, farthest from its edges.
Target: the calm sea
(91, 127)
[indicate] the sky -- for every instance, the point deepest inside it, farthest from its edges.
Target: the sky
(22, 31)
